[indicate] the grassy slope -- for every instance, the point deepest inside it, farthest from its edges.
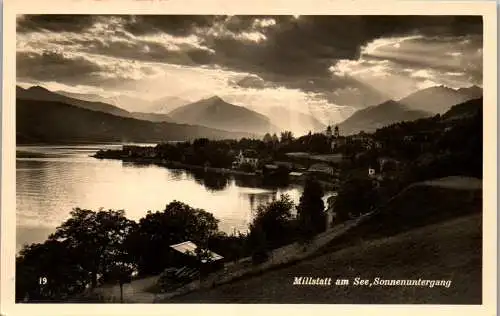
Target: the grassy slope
(435, 232)
(450, 250)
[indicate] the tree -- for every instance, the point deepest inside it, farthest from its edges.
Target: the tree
(50, 271)
(267, 138)
(286, 136)
(257, 241)
(275, 138)
(96, 238)
(311, 209)
(200, 142)
(271, 227)
(356, 196)
(178, 222)
(121, 273)
(231, 247)
(319, 144)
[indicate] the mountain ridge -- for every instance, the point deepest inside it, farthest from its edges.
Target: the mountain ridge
(439, 99)
(42, 94)
(57, 122)
(214, 112)
(373, 117)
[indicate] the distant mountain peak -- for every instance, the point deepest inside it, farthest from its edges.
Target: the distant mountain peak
(439, 99)
(377, 116)
(215, 98)
(38, 88)
(390, 103)
(215, 112)
(474, 87)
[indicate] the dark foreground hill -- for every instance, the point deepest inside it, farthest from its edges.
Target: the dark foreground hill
(432, 231)
(446, 251)
(464, 110)
(55, 122)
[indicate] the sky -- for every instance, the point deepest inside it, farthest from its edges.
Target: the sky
(325, 65)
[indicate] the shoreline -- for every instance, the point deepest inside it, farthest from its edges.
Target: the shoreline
(179, 165)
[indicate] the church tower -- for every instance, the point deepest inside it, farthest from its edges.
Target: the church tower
(328, 131)
(336, 132)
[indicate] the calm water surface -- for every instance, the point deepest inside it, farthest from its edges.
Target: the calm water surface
(52, 180)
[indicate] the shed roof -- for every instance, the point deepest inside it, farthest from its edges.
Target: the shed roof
(189, 248)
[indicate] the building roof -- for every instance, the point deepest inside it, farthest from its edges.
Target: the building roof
(321, 167)
(189, 248)
(250, 153)
(269, 166)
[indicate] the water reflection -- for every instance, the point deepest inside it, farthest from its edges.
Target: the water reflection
(213, 181)
(51, 181)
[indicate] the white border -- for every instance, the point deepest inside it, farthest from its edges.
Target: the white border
(320, 7)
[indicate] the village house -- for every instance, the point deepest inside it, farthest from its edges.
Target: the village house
(246, 157)
(365, 140)
(385, 167)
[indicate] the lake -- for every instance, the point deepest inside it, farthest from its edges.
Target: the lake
(52, 180)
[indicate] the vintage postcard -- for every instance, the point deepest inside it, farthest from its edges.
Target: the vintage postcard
(177, 157)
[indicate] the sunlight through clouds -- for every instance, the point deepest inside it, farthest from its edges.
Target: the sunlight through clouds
(303, 62)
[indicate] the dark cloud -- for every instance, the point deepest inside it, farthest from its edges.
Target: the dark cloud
(75, 70)
(52, 66)
(290, 52)
(178, 25)
(297, 52)
(54, 23)
(306, 46)
(141, 50)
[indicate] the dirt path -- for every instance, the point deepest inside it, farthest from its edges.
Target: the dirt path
(134, 292)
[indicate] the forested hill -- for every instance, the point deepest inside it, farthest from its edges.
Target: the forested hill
(55, 122)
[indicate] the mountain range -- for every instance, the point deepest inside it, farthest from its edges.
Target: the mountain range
(42, 94)
(217, 117)
(377, 116)
(56, 122)
(216, 113)
(132, 104)
(423, 103)
(439, 99)
(281, 117)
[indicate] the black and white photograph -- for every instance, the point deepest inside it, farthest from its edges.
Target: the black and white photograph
(332, 158)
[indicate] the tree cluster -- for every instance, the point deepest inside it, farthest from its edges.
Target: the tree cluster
(94, 247)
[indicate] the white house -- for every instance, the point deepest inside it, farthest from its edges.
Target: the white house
(242, 159)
